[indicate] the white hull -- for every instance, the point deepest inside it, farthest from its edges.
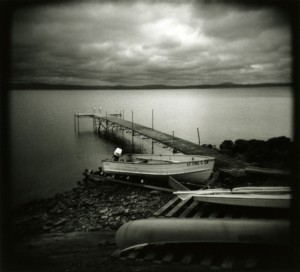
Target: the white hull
(268, 197)
(264, 201)
(195, 169)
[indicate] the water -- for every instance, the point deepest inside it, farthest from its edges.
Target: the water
(49, 157)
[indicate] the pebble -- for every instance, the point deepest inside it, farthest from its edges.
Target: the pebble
(155, 192)
(103, 210)
(46, 228)
(60, 222)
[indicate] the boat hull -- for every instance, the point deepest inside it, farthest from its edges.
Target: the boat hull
(264, 201)
(263, 196)
(235, 231)
(194, 169)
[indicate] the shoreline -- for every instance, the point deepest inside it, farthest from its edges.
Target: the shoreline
(103, 205)
(96, 205)
(75, 230)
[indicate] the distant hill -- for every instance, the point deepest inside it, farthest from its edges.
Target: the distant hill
(44, 86)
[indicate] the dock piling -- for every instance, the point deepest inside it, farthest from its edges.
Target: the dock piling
(78, 123)
(198, 135)
(173, 136)
(152, 120)
(132, 131)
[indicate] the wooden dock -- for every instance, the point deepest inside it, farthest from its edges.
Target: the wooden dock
(226, 164)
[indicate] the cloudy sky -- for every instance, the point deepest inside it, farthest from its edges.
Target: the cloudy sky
(150, 42)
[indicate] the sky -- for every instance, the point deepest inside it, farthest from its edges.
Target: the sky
(150, 42)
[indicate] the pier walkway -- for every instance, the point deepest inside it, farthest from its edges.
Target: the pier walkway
(229, 165)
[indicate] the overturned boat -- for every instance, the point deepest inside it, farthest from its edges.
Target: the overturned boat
(266, 197)
(185, 168)
(209, 231)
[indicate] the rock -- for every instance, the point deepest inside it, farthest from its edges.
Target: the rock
(133, 195)
(69, 229)
(155, 192)
(119, 211)
(60, 222)
(105, 210)
(46, 228)
(49, 223)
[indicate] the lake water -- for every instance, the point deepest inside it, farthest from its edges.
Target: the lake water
(49, 157)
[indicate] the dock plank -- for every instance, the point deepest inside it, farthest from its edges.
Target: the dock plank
(188, 210)
(187, 258)
(167, 206)
(177, 207)
(201, 211)
(168, 257)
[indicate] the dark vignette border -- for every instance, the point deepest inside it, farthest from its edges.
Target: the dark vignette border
(7, 8)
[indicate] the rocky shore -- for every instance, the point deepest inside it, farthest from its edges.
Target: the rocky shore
(102, 205)
(90, 206)
(64, 232)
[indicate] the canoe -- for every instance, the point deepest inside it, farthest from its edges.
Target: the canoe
(177, 230)
(185, 168)
(253, 200)
(268, 197)
(239, 190)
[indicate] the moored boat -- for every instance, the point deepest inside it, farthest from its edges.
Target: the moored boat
(185, 168)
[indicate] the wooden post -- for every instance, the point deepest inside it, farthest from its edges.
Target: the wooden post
(152, 120)
(198, 135)
(78, 123)
(151, 138)
(132, 131)
(106, 122)
(173, 137)
(152, 146)
(99, 127)
(75, 122)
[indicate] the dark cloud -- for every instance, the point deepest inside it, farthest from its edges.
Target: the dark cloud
(151, 42)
